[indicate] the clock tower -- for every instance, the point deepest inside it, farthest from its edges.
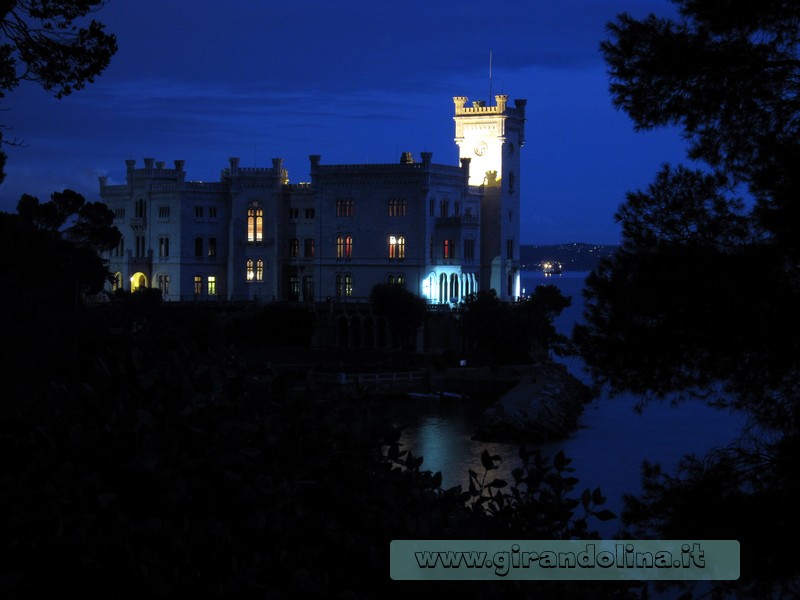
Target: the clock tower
(492, 137)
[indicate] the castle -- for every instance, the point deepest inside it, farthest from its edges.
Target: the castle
(441, 231)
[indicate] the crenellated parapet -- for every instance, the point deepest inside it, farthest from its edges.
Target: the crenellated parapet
(479, 107)
(153, 170)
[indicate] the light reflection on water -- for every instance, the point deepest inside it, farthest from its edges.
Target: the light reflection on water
(608, 448)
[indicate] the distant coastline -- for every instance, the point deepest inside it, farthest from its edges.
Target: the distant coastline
(573, 256)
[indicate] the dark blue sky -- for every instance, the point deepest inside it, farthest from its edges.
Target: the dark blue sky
(355, 81)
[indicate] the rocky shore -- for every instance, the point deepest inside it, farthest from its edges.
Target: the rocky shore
(545, 405)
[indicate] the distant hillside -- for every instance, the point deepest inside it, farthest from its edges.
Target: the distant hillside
(573, 257)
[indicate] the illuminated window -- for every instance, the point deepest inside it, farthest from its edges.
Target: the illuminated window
(344, 246)
(294, 248)
(198, 246)
(397, 247)
(198, 285)
(396, 280)
(348, 285)
(294, 287)
(212, 247)
(308, 247)
(448, 250)
(163, 247)
(212, 285)
(163, 284)
(249, 271)
(259, 270)
(255, 223)
(397, 207)
(116, 283)
(344, 285)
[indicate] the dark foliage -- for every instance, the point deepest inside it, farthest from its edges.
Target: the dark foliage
(404, 311)
(153, 465)
(700, 300)
(271, 326)
(500, 333)
(41, 41)
(728, 73)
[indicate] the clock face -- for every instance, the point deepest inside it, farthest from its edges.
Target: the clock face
(480, 148)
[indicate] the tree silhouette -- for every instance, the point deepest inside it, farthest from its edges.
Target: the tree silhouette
(700, 298)
(728, 74)
(41, 41)
(404, 312)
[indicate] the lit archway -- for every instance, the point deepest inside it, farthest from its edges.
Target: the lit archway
(138, 281)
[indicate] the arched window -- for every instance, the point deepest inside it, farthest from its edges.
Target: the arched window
(348, 247)
(259, 270)
(255, 223)
(250, 272)
(397, 246)
(339, 246)
(348, 284)
(447, 249)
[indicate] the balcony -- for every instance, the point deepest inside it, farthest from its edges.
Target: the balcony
(461, 221)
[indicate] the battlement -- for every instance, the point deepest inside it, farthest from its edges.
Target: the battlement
(479, 107)
(154, 168)
(236, 171)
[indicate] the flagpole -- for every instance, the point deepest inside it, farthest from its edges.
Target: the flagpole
(490, 78)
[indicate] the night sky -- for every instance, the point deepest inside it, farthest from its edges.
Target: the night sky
(355, 81)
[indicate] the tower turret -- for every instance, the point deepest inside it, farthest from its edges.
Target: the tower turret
(492, 137)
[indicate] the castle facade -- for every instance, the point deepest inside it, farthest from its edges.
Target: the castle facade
(442, 231)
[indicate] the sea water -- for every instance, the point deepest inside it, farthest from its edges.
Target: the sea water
(607, 450)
